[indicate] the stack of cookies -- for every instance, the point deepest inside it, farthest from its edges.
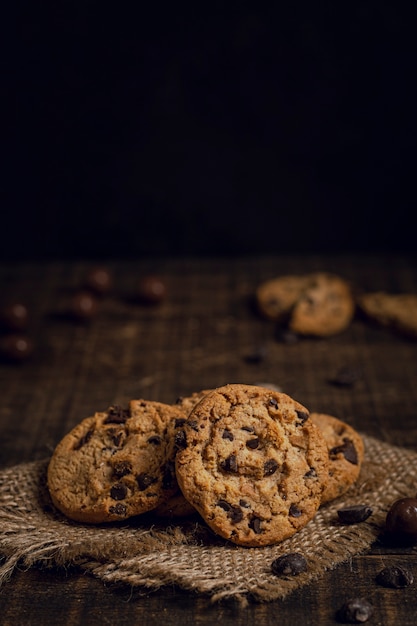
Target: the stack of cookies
(317, 304)
(253, 462)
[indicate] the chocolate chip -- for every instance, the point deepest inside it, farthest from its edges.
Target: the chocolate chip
(84, 439)
(355, 611)
(144, 481)
(121, 468)
(257, 355)
(223, 504)
(302, 416)
(245, 504)
(273, 402)
(291, 564)
(255, 525)
(118, 491)
(248, 429)
(294, 511)
(193, 424)
(311, 473)
(118, 509)
(230, 463)
(252, 444)
(354, 514)
(347, 448)
(116, 415)
(155, 440)
(270, 467)
(179, 421)
(345, 377)
(395, 577)
(227, 435)
(234, 513)
(116, 436)
(180, 440)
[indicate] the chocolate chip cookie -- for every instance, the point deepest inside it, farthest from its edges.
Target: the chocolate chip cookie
(395, 311)
(177, 505)
(117, 463)
(252, 463)
(346, 452)
(317, 304)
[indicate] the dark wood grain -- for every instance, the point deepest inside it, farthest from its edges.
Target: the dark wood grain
(200, 337)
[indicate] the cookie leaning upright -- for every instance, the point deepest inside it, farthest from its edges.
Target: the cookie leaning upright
(116, 464)
(317, 304)
(252, 464)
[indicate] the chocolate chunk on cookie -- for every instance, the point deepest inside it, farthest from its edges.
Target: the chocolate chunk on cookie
(317, 304)
(346, 453)
(117, 463)
(254, 465)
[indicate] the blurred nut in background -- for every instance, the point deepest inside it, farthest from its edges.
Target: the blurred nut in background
(152, 290)
(14, 317)
(99, 280)
(15, 348)
(84, 306)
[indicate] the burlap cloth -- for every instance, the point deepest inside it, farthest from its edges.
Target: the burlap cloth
(144, 552)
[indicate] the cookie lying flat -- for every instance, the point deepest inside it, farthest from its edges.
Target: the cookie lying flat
(253, 465)
(117, 463)
(395, 311)
(346, 453)
(318, 304)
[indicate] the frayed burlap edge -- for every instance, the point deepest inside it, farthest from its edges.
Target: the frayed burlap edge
(149, 553)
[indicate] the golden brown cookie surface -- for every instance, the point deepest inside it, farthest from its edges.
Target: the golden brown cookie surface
(117, 463)
(253, 464)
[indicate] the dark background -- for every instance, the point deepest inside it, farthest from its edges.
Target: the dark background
(171, 130)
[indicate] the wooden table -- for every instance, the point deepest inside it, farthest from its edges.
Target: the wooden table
(204, 334)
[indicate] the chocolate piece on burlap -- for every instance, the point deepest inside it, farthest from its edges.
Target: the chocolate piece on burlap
(143, 552)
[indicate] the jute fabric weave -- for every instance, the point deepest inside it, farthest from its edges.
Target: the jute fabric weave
(149, 553)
